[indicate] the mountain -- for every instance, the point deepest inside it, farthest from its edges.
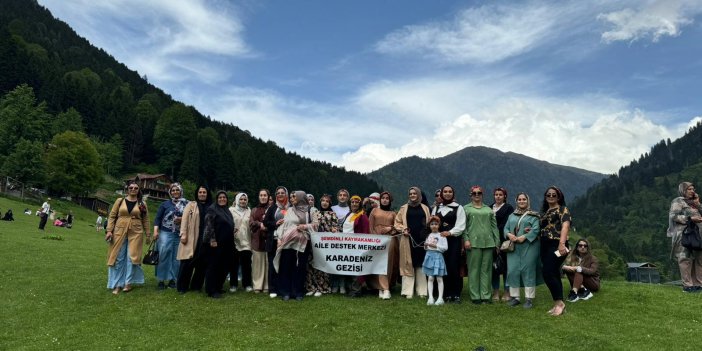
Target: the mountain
(628, 211)
(488, 168)
(152, 133)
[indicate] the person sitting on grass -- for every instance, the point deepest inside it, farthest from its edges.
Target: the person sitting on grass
(581, 270)
(8, 216)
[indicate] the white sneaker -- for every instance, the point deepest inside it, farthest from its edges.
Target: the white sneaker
(439, 302)
(386, 295)
(430, 302)
(380, 294)
(342, 290)
(273, 295)
(409, 297)
(309, 293)
(318, 294)
(249, 289)
(232, 289)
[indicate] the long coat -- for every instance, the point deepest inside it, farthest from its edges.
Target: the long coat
(406, 267)
(126, 225)
(190, 229)
(524, 264)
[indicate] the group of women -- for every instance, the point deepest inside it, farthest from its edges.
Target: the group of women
(202, 241)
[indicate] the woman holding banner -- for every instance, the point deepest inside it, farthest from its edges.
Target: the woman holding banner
(382, 220)
(411, 220)
(291, 255)
(318, 282)
(355, 221)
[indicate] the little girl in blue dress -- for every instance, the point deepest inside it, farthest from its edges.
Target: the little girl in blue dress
(434, 265)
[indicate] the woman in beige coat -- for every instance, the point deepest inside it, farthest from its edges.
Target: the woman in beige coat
(128, 222)
(411, 220)
(191, 229)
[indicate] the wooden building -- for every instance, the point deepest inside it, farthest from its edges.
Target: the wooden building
(642, 272)
(153, 185)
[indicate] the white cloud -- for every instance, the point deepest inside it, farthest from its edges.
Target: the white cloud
(484, 34)
(167, 40)
(652, 19)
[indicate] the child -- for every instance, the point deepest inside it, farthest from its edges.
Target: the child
(434, 265)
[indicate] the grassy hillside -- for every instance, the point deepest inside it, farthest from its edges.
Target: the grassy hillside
(54, 297)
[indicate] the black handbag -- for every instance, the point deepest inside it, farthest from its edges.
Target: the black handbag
(691, 239)
(151, 257)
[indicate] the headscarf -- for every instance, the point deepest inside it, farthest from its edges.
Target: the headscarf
(236, 206)
(265, 204)
(447, 201)
(389, 206)
(682, 188)
(323, 210)
(359, 212)
(208, 199)
(420, 197)
(170, 190)
(222, 211)
(519, 211)
(375, 198)
(302, 206)
(343, 204)
(308, 197)
(282, 206)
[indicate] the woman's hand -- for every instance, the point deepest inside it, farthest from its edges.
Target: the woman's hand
(280, 221)
(696, 219)
(406, 232)
(445, 234)
(183, 239)
(155, 235)
(334, 230)
(177, 220)
(213, 243)
(467, 245)
(562, 249)
(108, 237)
(511, 237)
(301, 227)
(521, 239)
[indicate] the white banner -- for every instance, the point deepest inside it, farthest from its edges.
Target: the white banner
(350, 254)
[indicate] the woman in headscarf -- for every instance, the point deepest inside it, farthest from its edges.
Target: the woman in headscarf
(319, 282)
(453, 222)
(381, 221)
(411, 221)
(682, 209)
(291, 255)
(502, 210)
(522, 229)
(259, 235)
(219, 242)
(242, 241)
(127, 223)
(190, 250)
(167, 234)
(275, 217)
(310, 201)
(555, 226)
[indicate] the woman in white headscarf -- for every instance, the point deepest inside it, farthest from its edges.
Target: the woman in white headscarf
(242, 240)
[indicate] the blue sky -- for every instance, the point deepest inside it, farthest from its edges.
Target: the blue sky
(591, 84)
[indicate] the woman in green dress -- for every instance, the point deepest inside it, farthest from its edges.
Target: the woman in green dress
(523, 269)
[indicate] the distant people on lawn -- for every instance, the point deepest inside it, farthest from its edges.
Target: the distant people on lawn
(482, 239)
(128, 224)
(8, 216)
(581, 268)
(218, 243)
(242, 242)
(44, 212)
(98, 223)
(523, 264)
(685, 208)
(502, 210)
(27, 211)
(193, 262)
(554, 226)
(411, 221)
(167, 235)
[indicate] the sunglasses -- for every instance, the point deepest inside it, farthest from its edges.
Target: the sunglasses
(551, 195)
(477, 193)
(582, 245)
(133, 188)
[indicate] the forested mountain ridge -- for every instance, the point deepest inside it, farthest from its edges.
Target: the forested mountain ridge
(488, 168)
(66, 76)
(629, 211)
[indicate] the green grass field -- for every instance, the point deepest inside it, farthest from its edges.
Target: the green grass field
(53, 296)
